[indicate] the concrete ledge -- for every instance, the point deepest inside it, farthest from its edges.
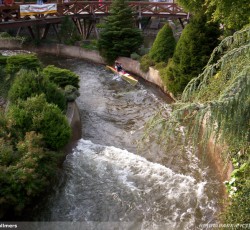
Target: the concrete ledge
(68, 51)
(10, 44)
(73, 116)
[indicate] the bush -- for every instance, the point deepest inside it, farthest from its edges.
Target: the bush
(142, 51)
(68, 31)
(5, 83)
(164, 45)
(192, 52)
(3, 60)
(29, 83)
(22, 61)
(61, 77)
(160, 65)
(146, 62)
(4, 35)
(90, 45)
(36, 114)
(239, 190)
(24, 180)
(71, 93)
(135, 56)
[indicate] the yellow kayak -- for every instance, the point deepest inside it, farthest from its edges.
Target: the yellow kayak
(125, 76)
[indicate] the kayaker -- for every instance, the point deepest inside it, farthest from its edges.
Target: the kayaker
(118, 66)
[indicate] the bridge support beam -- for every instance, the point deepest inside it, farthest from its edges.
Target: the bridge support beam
(181, 22)
(88, 25)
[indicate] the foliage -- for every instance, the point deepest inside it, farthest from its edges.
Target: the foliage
(239, 191)
(36, 114)
(163, 46)
(221, 113)
(160, 65)
(29, 83)
(143, 50)
(7, 36)
(25, 178)
(90, 45)
(68, 32)
(233, 14)
(5, 84)
(135, 56)
(4, 35)
(194, 6)
(146, 62)
(118, 36)
(71, 93)
(22, 61)
(61, 77)
(192, 52)
(28, 132)
(3, 60)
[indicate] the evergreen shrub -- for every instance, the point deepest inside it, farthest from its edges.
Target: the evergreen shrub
(71, 93)
(22, 61)
(61, 77)
(29, 83)
(146, 62)
(135, 56)
(36, 114)
(24, 180)
(191, 54)
(164, 45)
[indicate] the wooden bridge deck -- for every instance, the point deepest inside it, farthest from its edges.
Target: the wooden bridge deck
(12, 17)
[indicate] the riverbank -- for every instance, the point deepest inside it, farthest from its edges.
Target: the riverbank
(214, 152)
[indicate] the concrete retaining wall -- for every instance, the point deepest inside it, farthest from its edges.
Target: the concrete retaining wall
(73, 116)
(132, 66)
(68, 51)
(10, 44)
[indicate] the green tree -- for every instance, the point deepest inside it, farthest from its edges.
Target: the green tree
(233, 14)
(192, 52)
(193, 6)
(61, 77)
(68, 32)
(118, 36)
(24, 180)
(36, 114)
(29, 83)
(22, 61)
(164, 45)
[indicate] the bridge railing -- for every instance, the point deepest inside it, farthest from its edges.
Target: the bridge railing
(85, 8)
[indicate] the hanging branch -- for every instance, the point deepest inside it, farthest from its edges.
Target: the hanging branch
(226, 115)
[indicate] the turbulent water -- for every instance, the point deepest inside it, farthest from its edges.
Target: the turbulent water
(109, 183)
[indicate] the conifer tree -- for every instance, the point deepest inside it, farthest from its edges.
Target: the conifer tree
(118, 36)
(192, 52)
(164, 45)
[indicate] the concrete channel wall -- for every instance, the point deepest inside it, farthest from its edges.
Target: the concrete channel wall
(214, 151)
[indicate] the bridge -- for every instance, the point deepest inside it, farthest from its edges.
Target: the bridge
(85, 14)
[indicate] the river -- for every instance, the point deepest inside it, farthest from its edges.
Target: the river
(108, 182)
